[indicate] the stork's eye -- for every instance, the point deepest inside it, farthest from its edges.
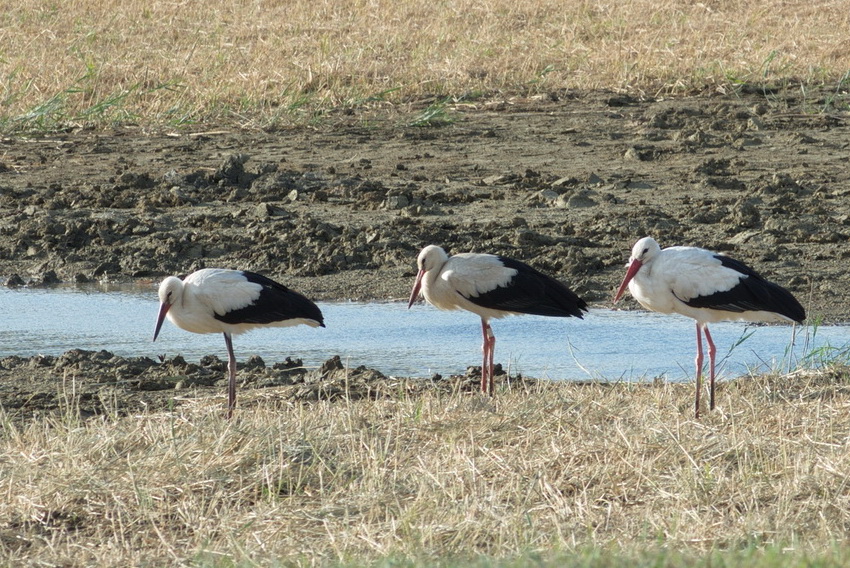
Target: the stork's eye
(646, 250)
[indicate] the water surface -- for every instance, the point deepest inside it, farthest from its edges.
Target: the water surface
(610, 345)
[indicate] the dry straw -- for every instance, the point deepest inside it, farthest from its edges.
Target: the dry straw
(538, 472)
(269, 61)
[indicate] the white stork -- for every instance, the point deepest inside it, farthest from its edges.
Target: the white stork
(492, 287)
(707, 287)
(215, 300)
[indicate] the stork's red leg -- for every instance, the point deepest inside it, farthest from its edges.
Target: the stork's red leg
(485, 346)
(231, 383)
(492, 343)
(712, 351)
(699, 361)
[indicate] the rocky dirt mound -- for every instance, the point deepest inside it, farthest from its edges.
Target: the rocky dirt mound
(566, 183)
(90, 383)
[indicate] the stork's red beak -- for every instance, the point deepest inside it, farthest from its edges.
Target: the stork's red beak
(163, 309)
(416, 286)
(630, 273)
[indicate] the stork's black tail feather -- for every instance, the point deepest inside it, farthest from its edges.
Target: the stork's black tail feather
(532, 292)
(276, 303)
(752, 293)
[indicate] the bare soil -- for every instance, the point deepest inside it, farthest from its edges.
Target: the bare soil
(566, 182)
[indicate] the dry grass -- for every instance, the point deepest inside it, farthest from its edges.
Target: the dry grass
(266, 61)
(549, 471)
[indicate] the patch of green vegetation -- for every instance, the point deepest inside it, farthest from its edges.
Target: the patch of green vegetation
(437, 114)
(93, 107)
(752, 557)
(771, 77)
(375, 98)
(774, 556)
(839, 99)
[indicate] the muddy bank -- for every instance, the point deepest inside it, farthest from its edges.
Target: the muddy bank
(567, 183)
(91, 383)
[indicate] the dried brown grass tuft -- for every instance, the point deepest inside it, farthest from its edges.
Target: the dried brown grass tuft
(556, 467)
(267, 60)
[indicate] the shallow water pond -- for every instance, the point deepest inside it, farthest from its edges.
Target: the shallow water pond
(610, 345)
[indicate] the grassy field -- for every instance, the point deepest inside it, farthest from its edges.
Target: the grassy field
(262, 63)
(594, 475)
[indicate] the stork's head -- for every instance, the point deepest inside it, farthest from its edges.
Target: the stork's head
(643, 252)
(430, 258)
(170, 292)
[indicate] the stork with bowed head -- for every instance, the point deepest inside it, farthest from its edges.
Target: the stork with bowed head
(707, 287)
(492, 287)
(215, 300)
